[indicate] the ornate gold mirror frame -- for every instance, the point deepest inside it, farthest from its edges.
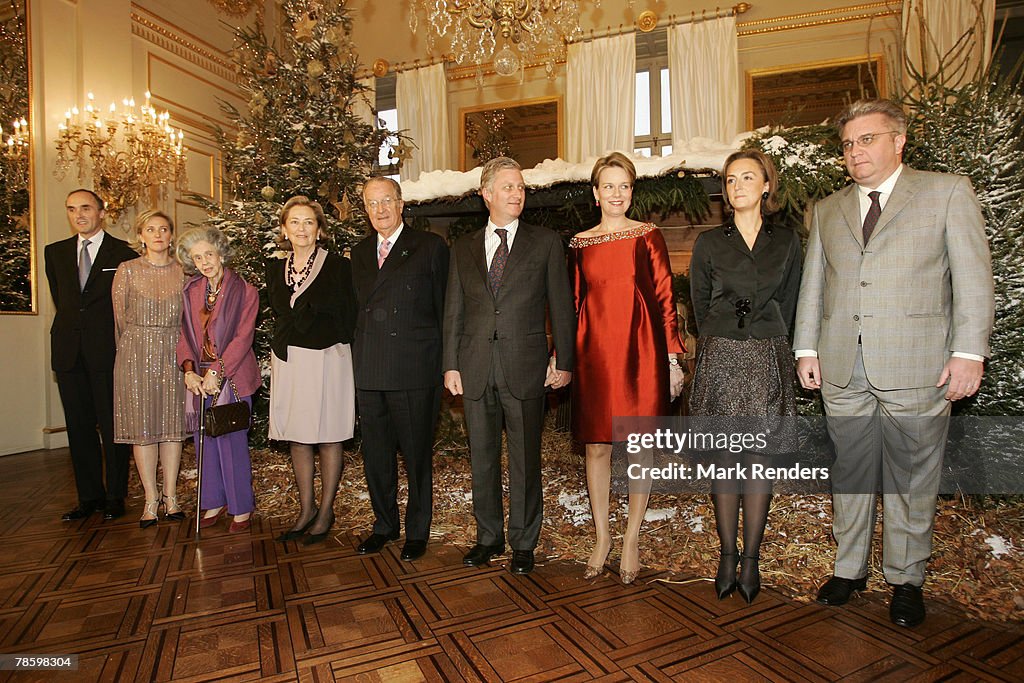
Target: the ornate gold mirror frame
(18, 289)
(805, 94)
(529, 131)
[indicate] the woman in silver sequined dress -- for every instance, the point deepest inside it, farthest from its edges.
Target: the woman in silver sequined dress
(148, 394)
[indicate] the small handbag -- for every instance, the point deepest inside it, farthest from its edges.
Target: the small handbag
(226, 418)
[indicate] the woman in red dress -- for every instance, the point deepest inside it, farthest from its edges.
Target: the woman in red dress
(626, 344)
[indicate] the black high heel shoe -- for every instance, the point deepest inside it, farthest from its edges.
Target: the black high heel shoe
(725, 579)
(152, 508)
(172, 502)
(293, 534)
(749, 584)
(318, 538)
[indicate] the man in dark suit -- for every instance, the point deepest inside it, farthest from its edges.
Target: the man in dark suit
(892, 325)
(399, 276)
(502, 280)
(80, 271)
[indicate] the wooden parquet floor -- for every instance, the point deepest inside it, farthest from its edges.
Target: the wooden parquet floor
(153, 605)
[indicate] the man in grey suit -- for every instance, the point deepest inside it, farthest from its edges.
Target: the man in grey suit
(501, 280)
(895, 311)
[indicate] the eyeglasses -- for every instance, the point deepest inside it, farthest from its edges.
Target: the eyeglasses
(866, 140)
(385, 203)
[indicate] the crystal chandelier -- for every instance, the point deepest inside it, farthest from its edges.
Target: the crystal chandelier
(127, 152)
(510, 33)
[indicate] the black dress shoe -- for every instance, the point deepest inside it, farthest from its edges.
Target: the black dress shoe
(82, 511)
(522, 561)
(113, 509)
(413, 550)
(482, 554)
(907, 606)
(837, 590)
(375, 542)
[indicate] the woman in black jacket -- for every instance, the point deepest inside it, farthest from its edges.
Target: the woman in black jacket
(312, 393)
(744, 281)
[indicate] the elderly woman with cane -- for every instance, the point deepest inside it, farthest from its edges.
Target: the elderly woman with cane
(215, 353)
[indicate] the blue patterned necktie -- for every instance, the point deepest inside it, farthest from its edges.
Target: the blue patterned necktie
(871, 217)
(84, 265)
(498, 261)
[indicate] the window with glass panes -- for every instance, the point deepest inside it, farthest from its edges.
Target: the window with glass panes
(652, 131)
(387, 115)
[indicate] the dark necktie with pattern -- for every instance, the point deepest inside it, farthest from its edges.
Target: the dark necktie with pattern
(871, 217)
(498, 261)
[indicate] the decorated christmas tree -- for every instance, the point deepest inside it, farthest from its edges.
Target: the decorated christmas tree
(977, 130)
(299, 133)
(15, 236)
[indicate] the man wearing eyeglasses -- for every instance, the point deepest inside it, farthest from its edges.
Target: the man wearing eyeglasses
(399, 275)
(895, 311)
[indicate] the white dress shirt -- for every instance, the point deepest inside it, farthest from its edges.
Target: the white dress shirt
(391, 240)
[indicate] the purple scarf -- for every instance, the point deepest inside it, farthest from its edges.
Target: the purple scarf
(223, 327)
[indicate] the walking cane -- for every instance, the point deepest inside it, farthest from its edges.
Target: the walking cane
(199, 462)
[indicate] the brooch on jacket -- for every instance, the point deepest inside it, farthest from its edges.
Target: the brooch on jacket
(742, 310)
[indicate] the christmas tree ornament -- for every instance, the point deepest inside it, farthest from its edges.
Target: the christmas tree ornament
(267, 193)
(304, 28)
(315, 68)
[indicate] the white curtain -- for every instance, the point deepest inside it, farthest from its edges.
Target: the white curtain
(704, 79)
(600, 83)
(364, 103)
(933, 27)
(422, 101)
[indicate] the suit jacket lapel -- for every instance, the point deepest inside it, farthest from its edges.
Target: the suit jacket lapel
(850, 205)
(479, 255)
(102, 259)
(763, 240)
(902, 193)
(522, 249)
(400, 252)
(735, 241)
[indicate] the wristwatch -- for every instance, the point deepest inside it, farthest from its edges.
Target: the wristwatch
(673, 361)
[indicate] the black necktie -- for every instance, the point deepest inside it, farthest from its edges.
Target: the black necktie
(498, 260)
(871, 218)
